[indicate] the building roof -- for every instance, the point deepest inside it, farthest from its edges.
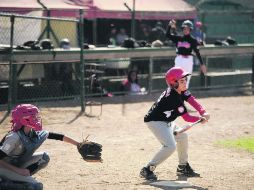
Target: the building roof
(59, 7)
(159, 9)
(33, 4)
(112, 9)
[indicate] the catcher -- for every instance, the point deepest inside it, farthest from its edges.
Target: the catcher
(18, 159)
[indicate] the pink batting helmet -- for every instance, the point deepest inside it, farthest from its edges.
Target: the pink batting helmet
(174, 74)
(26, 115)
(198, 24)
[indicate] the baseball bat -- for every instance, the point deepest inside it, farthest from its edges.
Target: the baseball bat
(186, 127)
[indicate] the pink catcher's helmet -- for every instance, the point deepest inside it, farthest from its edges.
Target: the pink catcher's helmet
(174, 74)
(26, 115)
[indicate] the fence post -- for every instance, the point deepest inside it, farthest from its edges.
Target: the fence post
(10, 90)
(203, 76)
(95, 31)
(252, 76)
(81, 40)
(133, 12)
(48, 24)
(150, 76)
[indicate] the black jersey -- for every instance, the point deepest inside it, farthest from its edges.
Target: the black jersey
(184, 44)
(168, 107)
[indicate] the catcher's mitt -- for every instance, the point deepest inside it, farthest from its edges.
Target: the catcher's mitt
(90, 151)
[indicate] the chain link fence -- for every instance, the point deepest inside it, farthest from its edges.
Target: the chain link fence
(42, 80)
(30, 72)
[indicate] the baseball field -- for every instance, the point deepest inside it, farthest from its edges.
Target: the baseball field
(128, 145)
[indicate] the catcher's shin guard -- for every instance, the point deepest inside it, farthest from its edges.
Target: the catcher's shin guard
(6, 184)
(40, 164)
(147, 173)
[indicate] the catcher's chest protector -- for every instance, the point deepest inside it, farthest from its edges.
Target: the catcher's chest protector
(30, 145)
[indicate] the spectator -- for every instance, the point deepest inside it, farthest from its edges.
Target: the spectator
(199, 34)
(200, 37)
(144, 33)
(131, 84)
(121, 36)
(97, 88)
(158, 33)
(112, 35)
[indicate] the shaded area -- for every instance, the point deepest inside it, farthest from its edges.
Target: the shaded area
(4, 117)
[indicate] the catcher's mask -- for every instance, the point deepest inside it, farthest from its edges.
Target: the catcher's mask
(173, 75)
(26, 115)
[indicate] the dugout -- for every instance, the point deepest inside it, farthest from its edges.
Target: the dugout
(152, 79)
(130, 14)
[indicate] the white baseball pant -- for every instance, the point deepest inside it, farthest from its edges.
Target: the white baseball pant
(164, 133)
(186, 63)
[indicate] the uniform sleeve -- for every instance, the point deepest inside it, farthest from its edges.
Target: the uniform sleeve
(56, 136)
(10, 143)
(172, 37)
(186, 95)
(196, 50)
(194, 103)
(190, 118)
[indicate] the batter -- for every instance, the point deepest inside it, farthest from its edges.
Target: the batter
(159, 120)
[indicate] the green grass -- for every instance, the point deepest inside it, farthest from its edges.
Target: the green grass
(245, 143)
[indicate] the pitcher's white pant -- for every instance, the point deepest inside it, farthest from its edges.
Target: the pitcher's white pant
(164, 133)
(39, 157)
(186, 63)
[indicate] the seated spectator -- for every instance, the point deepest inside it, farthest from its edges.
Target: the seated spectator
(158, 33)
(97, 88)
(144, 33)
(121, 36)
(112, 36)
(131, 84)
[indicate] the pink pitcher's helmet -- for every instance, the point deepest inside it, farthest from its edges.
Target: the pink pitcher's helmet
(174, 74)
(26, 115)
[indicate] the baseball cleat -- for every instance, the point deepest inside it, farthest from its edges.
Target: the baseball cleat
(147, 174)
(186, 170)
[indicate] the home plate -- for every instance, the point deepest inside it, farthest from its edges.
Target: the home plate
(179, 184)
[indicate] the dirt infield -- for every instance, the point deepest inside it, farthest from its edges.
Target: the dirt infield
(128, 145)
